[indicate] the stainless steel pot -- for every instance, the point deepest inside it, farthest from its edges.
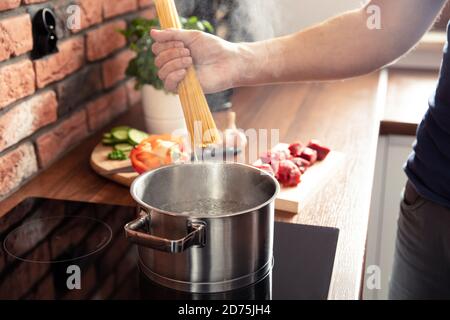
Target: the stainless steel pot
(204, 227)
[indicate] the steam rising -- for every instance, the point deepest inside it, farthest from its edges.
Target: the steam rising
(251, 20)
(185, 7)
(258, 18)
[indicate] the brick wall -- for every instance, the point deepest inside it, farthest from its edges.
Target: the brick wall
(49, 105)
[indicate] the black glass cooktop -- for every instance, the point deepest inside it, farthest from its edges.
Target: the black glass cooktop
(54, 249)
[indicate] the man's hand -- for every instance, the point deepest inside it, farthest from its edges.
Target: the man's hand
(177, 50)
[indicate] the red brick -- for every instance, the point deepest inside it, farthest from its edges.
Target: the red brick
(145, 3)
(148, 13)
(15, 167)
(16, 82)
(105, 40)
(113, 70)
(9, 4)
(134, 96)
(104, 109)
(91, 12)
(115, 8)
(33, 1)
(61, 138)
(69, 59)
(32, 115)
(16, 36)
(78, 88)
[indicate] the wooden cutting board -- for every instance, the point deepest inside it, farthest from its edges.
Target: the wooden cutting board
(289, 199)
(101, 164)
(315, 178)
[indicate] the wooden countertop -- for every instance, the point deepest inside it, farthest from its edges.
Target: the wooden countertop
(407, 100)
(344, 115)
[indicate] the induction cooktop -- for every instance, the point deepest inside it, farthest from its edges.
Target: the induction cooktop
(53, 249)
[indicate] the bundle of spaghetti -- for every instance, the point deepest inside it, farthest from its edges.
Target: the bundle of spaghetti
(195, 107)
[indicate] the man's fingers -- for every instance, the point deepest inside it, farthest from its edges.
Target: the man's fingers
(185, 36)
(165, 35)
(159, 47)
(173, 79)
(171, 58)
(174, 66)
(171, 54)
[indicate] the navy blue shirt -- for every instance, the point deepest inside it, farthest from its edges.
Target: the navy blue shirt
(428, 167)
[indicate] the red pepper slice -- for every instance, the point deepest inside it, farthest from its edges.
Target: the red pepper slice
(142, 158)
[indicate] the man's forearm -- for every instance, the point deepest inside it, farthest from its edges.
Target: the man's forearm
(339, 48)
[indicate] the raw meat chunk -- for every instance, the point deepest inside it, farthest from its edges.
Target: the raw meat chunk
(296, 149)
(300, 162)
(274, 157)
(322, 151)
(288, 174)
(278, 155)
(309, 155)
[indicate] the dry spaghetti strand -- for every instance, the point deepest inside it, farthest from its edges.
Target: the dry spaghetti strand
(195, 107)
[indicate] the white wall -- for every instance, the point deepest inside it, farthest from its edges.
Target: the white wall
(298, 14)
(266, 19)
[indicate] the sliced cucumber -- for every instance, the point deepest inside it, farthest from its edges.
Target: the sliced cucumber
(123, 138)
(120, 135)
(108, 142)
(120, 128)
(124, 147)
(136, 136)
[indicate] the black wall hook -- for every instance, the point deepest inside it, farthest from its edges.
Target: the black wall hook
(44, 33)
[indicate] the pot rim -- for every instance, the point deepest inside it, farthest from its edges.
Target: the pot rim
(151, 172)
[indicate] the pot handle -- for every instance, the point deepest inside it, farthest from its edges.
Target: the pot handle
(196, 236)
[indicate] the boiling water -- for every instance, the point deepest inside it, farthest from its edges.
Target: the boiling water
(211, 207)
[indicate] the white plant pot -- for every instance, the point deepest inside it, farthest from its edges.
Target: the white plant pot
(158, 126)
(163, 112)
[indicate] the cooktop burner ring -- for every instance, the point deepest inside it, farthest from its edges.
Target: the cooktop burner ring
(26, 237)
